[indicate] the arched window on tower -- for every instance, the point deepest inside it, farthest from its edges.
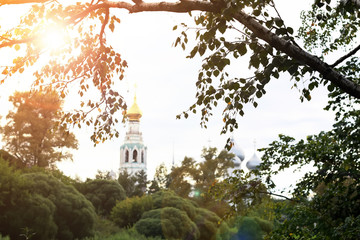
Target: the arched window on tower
(142, 157)
(127, 156)
(135, 155)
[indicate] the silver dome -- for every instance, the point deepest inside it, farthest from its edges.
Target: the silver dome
(253, 162)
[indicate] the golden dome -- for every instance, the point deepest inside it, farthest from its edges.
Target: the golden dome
(134, 113)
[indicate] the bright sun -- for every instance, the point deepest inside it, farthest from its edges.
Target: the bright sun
(53, 39)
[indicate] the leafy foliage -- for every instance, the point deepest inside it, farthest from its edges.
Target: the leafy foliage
(103, 194)
(167, 215)
(30, 134)
(192, 179)
(96, 60)
(209, 225)
(40, 205)
(225, 31)
(127, 212)
(163, 199)
(133, 184)
(330, 25)
(168, 222)
(74, 215)
(242, 191)
(215, 85)
(204, 174)
(332, 212)
(207, 222)
(178, 178)
(161, 177)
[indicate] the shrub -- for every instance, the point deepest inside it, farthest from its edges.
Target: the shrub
(127, 212)
(21, 210)
(169, 223)
(170, 199)
(102, 193)
(43, 206)
(74, 214)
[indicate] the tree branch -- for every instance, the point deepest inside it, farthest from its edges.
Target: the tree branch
(279, 195)
(345, 56)
(259, 30)
(287, 47)
(299, 54)
(10, 2)
(12, 42)
(106, 20)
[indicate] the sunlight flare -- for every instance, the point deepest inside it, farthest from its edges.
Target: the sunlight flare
(53, 39)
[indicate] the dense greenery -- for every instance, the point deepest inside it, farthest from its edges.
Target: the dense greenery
(167, 222)
(193, 179)
(170, 216)
(333, 211)
(103, 194)
(126, 213)
(30, 134)
(134, 184)
(41, 205)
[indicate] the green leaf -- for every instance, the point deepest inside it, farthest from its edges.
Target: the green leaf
(258, 94)
(193, 52)
(330, 87)
(269, 23)
(256, 12)
(279, 22)
(290, 30)
(241, 48)
(222, 27)
(202, 49)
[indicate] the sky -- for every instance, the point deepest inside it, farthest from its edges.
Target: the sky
(165, 81)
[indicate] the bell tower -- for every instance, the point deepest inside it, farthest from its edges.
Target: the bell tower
(133, 152)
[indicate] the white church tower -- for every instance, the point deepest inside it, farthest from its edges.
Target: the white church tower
(133, 152)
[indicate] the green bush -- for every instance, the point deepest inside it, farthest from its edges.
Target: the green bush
(74, 214)
(22, 210)
(169, 223)
(104, 227)
(166, 215)
(102, 193)
(35, 214)
(39, 205)
(150, 227)
(170, 199)
(207, 222)
(127, 212)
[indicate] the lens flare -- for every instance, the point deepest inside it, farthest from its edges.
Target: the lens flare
(53, 38)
